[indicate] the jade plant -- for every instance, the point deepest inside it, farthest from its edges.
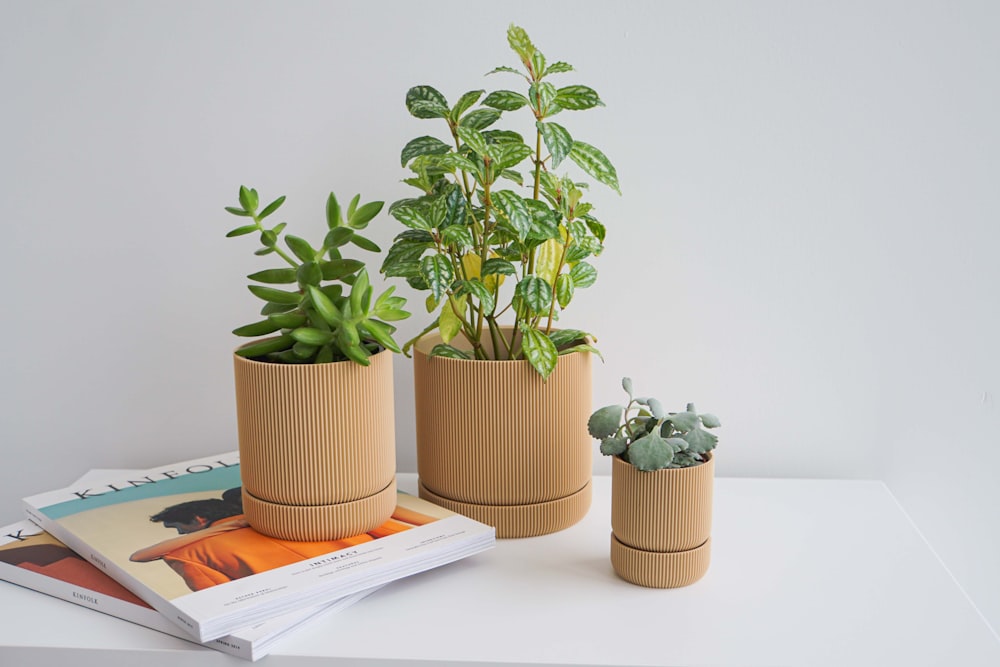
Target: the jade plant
(644, 434)
(493, 209)
(327, 314)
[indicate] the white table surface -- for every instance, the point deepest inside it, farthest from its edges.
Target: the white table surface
(804, 572)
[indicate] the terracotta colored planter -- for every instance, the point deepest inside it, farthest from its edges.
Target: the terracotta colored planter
(661, 523)
(496, 443)
(317, 446)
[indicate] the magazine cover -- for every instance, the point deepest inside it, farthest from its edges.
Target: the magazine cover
(176, 537)
(32, 558)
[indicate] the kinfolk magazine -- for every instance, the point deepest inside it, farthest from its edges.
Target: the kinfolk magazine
(176, 537)
(32, 558)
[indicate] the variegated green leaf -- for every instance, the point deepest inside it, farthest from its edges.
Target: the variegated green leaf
(482, 293)
(520, 43)
(564, 289)
(437, 272)
(448, 352)
(423, 146)
(473, 139)
(465, 103)
(584, 275)
(563, 337)
(423, 102)
(496, 265)
(516, 211)
(536, 294)
(595, 163)
(559, 68)
(577, 98)
(539, 351)
(557, 140)
(412, 217)
(505, 100)
(480, 118)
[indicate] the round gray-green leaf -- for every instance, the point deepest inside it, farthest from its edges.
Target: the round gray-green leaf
(710, 421)
(650, 452)
(700, 441)
(627, 386)
(605, 422)
(613, 446)
(684, 421)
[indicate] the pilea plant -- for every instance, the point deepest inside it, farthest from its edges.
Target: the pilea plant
(319, 321)
(649, 438)
(468, 232)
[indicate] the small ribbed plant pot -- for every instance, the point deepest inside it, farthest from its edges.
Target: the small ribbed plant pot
(500, 445)
(317, 446)
(661, 523)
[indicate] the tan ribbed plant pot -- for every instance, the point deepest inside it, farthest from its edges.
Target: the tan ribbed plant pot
(317, 446)
(661, 523)
(496, 443)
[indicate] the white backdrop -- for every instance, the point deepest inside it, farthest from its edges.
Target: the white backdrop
(806, 244)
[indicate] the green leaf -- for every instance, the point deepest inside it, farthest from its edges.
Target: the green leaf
(275, 295)
(473, 139)
(516, 211)
(248, 199)
(596, 228)
(337, 269)
(710, 421)
(423, 146)
(512, 175)
(465, 103)
(562, 337)
(326, 308)
(564, 289)
(274, 276)
(581, 348)
(578, 98)
(539, 351)
(613, 446)
(538, 64)
(301, 248)
(437, 271)
(700, 441)
(559, 68)
(261, 328)
(584, 275)
(449, 352)
(291, 320)
(482, 293)
(495, 265)
(479, 119)
(237, 211)
(381, 333)
(360, 218)
(266, 346)
(595, 163)
(451, 162)
(311, 336)
(338, 237)
(332, 211)
(412, 217)
(520, 43)
(504, 68)
(353, 206)
(272, 308)
(604, 423)
(650, 452)
(510, 155)
(422, 102)
(459, 235)
(240, 231)
(365, 244)
(268, 238)
(451, 319)
(656, 408)
(627, 386)
(536, 293)
(272, 207)
(542, 96)
(505, 100)
(361, 293)
(557, 140)
(309, 274)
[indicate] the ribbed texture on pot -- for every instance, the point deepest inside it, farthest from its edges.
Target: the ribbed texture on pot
(660, 570)
(320, 522)
(662, 510)
(521, 520)
(316, 434)
(495, 433)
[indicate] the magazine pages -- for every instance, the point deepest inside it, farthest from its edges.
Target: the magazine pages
(176, 537)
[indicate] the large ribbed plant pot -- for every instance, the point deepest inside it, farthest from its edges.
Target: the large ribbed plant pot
(661, 523)
(317, 446)
(498, 444)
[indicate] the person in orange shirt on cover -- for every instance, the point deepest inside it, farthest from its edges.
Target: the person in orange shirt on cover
(216, 544)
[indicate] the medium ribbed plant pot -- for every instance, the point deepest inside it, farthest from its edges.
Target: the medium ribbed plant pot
(497, 443)
(661, 523)
(317, 446)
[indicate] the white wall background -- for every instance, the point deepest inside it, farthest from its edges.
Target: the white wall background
(806, 244)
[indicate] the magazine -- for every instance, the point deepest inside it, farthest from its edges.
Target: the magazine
(32, 558)
(176, 537)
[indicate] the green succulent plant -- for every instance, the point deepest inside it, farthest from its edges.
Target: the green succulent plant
(648, 437)
(328, 315)
(480, 221)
